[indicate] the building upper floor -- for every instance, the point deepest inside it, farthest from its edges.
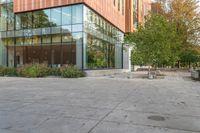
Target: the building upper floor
(123, 14)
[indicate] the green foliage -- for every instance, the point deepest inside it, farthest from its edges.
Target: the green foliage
(10, 72)
(55, 72)
(190, 56)
(35, 70)
(71, 72)
(42, 70)
(157, 42)
(136, 58)
(2, 70)
(6, 71)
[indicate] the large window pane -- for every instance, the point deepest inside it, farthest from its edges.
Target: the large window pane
(36, 40)
(19, 57)
(46, 55)
(77, 28)
(10, 56)
(36, 19)
(118, 56)
(67, 37)
(56, 55)
(10, 43)
(46, 39)
(66, 15)
(3, 52)
(3, 1)
(10, 17)
(28, 41)
(66, 29)
(26, 20)
(19, 41)
(77, 14)
(45, 16)
(3, 17)
(69, 54)
(56, 38)
(56, 16)
(78, 43)
(18, 22)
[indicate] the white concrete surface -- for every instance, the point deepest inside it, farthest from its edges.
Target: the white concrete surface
(100, 105)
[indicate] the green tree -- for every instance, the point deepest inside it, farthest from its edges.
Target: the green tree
(186, 15)
(189, 57)
(157, 42)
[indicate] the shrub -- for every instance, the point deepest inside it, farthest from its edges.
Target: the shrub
(34, 70)
(71, 72)
(2, 69)
(55, 72)
(10, 71)
(7, 71)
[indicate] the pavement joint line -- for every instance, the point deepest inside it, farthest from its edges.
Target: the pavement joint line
(146, 125)
(103, 118)
(13, 130)
(165, 114)
(74, 106)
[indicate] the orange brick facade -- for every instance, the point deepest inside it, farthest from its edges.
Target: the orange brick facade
(107, 8)
(144, 6)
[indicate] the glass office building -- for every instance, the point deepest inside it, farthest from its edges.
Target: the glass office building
(58, 36)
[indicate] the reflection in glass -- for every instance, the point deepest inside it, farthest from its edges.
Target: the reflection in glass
(66, 29)
(56, 56)
(36, 40)
(44, 18)
(46, 39)
(77, 14)
(66, 15)
(56, 16)
(10, 56)
(3, 16)
(19, 41)
(67, 37)
(10, 18)
(46, 55)
(77, 28)
(56, 38)
(19, 56)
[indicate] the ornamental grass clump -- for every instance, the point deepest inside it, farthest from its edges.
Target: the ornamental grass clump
(71, 72)
(54, 72)
(7, 71)
(34, 70)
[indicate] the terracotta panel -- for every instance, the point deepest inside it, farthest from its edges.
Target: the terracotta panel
(143, 7)
(105, 8)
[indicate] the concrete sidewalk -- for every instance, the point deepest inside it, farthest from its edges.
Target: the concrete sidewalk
(99, 105)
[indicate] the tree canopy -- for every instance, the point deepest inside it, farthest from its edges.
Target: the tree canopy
(171, 34)
(156, 42)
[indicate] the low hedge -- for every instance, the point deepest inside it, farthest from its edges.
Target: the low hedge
(71, 72)
(54, 72)
(34, 71)
(42, 70)
(7, 71)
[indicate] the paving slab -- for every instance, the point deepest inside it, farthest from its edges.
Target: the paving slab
(164, 121)
(100, 105)
(65, 125)
(113, 127)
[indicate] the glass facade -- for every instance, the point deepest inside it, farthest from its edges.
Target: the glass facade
(135, 14)
(58, 36)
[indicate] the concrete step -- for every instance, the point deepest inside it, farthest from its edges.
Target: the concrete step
(100, 73)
